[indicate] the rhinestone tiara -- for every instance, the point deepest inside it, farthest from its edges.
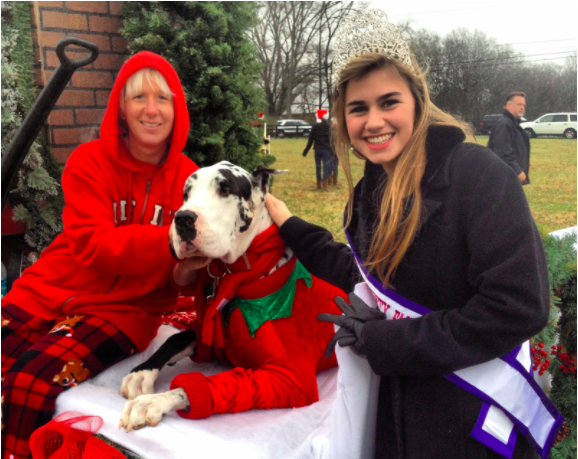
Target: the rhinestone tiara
(366, 32)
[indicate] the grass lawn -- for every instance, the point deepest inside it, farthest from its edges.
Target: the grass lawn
(552, 193)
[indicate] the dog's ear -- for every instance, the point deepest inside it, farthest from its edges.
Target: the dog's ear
(260, 176)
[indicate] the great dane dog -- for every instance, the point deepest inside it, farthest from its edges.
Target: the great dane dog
(223, 217)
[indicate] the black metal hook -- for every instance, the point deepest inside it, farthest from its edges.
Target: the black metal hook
(74, 64)
(26, 134)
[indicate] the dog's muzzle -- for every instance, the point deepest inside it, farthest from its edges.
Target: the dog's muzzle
(185, 224)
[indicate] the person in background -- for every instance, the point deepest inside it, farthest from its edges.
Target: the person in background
(509, 141)
(98, 292)
(319, 136)
(334, 167)
(438, 223)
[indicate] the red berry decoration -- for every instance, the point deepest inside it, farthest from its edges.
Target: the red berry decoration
(563, 433)
(567, 362)
(540, 360)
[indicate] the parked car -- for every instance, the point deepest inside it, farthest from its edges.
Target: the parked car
(487, 123)
(563, 124)
(292, 128)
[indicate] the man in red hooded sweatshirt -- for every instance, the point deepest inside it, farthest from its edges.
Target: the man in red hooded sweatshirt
(97, 293)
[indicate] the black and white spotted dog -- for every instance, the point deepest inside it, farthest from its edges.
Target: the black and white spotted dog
(224, 209)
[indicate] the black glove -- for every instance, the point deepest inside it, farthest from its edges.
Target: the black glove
(304, 153)
(351, 323)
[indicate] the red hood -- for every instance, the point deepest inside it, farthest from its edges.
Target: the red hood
(110, 130)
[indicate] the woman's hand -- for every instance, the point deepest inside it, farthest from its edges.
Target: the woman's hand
(354, 317)
(277, 209)
(187, 271)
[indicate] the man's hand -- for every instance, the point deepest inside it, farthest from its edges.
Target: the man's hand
(522, 176)
(277, 209)
(304, 153)
(355, 316)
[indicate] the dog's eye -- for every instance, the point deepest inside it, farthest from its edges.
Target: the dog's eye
(225, 191)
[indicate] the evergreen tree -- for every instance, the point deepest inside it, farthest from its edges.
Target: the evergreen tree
(563, 392)
(554, 348)
(38, 199)
(207, 44)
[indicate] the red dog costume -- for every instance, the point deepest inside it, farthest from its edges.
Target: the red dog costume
(276, 345)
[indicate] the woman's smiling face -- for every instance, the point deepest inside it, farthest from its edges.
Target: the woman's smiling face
(380, 113)
(150, 116)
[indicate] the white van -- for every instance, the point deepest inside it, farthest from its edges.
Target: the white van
(563, 124)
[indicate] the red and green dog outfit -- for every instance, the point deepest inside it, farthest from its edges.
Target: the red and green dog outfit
(276, 350)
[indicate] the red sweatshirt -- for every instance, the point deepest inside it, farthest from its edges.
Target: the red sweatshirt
(113, 259)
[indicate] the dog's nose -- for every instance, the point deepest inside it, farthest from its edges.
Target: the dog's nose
(185, 219)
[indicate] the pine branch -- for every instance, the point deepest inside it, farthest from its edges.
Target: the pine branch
(38, 198)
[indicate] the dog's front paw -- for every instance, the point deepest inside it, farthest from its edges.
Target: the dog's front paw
(148, 410)
(139, 383)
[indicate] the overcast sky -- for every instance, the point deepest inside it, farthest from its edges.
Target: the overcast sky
(540, 29)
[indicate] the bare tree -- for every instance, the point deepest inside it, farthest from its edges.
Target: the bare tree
(294, 42)
(468, 73)
(331, 15)
(302, 24)
(268, 43)
(569, 78)
(284, 40)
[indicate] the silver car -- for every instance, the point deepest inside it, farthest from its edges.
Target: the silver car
(292, 128)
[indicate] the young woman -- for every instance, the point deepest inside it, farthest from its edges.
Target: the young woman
(439, 222)
(97, 293)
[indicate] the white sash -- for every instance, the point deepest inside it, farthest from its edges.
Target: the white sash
(513, 401)
(354, 410)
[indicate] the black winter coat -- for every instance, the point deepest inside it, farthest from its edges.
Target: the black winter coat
(509, 141)
(477, 262)
(320, 134)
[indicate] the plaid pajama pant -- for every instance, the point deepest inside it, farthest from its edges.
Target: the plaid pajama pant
(41, 359)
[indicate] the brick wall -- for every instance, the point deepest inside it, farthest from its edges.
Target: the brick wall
(78, 112)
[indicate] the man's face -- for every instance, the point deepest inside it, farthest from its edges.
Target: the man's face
(516, 106)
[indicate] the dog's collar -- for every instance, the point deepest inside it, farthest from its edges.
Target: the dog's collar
(218, 268)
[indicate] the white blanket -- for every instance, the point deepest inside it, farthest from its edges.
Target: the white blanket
(301, 433)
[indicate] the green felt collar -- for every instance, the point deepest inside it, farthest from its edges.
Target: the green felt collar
(277, 305)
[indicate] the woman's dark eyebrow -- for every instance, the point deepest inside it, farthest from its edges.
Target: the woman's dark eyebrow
(380, 98)
(388, 95)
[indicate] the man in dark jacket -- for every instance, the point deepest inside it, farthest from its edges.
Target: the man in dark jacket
(509, 141)
(320, 135)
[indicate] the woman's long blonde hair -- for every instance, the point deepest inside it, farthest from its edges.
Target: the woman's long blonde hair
(402, 200)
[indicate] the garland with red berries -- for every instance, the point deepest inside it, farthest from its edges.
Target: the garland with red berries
(540, 362)
(554, 349)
